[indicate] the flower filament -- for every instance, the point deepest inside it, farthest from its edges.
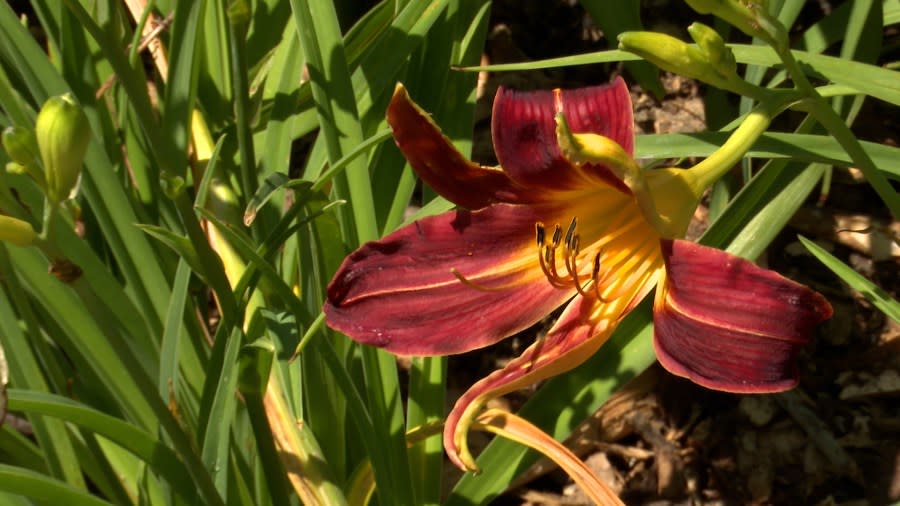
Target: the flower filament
(570, 250)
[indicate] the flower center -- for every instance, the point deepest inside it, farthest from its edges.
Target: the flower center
(604, 272)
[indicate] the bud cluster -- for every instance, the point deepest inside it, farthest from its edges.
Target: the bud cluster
(52, 155)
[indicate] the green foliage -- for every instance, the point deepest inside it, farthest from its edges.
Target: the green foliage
(138, 351)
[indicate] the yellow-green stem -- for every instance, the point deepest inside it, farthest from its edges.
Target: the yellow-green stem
(723, 159)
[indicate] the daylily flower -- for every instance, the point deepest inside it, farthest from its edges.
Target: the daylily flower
(569, 219)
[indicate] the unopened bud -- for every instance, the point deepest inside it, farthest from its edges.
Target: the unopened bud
(717, 54)
(748, 16)
(669, 53)
(22, 148)
(16, 168)
(63, 134)
(16, 231)
(20, 145)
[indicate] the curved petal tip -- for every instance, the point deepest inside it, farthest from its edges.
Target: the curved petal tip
(440, 165)
(729, 325)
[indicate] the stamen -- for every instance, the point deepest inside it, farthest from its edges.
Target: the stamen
(594, 273)
(557, 235)
(571, 258)
(550, 258)
(572, 246)
(544, 252)
(547, 255)
(570, 234)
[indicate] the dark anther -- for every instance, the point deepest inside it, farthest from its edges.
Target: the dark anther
(557, 235)
(571, 232)
(539, 231)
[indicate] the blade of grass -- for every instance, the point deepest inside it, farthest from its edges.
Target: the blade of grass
(283, 84)
(238, 16)
(26, 372)
(168, 355)
(217, 436)
(868, 79)
(40, 487)
(795, 146)
(333, 94)
(874, 294)
(120, 372)
(336, 103)
(19, 450)
(137, 441)
(181, 80)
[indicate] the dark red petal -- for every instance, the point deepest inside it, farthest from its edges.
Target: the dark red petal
(730, 325)
(524, 131)
(400, 293)
(440, 165)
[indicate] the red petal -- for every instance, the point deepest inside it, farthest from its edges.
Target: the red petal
(730, 325)
(440, 165)
(400, 292)
(524, 131)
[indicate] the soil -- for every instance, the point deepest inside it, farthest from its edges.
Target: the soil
(665, 441)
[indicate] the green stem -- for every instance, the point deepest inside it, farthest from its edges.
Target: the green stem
(50, 211)
(838, 129)
(741, 140)
(741, 87)
(237, 31)
(822, 112)
(427, 389)
(797, 75)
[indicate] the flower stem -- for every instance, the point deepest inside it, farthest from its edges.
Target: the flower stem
(823, 113)
(50, 212)
(741, 140)
(838, 129)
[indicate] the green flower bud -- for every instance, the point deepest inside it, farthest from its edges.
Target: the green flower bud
(20, 145)
(669, 53)
(748, 16)
(63, 133)
(16, 231)
(15, 168)
(714, 49)
(22, 148)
